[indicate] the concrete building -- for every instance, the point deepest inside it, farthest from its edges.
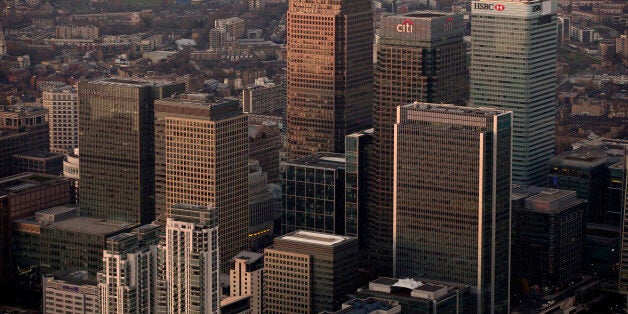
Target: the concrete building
(314, 194)
(22, 129)
(514, 68)
(127, 281)
(263, 97)
(201, 154)
(444, 226)
(548, 228)
(38, 162)
(191, 256)
(77, 32)
(70, 293)
(117, 147)
(265, 144)
(420, 296)
(245, 278)
(63, 116)
(420, 57)
(329, 75)
(309, 272)
(21, 196)
(68, 242)
(233, 26)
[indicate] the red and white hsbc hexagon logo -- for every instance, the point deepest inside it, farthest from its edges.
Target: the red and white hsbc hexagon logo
(405, 27)
(489, 6)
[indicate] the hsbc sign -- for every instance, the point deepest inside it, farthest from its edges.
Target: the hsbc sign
(489, 6)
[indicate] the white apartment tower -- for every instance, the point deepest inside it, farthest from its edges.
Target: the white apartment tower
(513, 67)
(191, 260)
(62, 105)
(127, 281)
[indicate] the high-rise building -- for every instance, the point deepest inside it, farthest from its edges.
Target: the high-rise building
(314, 194)
(452, 199)
(246, 276)
(265, 146)
(22, 129)
(329, 83)
(261, 208)
(21, 196)
(623, 266)
(263, 97)
(548, 228)
(191, 278)
(358, 148)
(117, 147)
(127, 281)
(201, 149)
(3, 43)
(38, 161)
(309, 272)
(420, 57)
(70, 293)
(513, 67)
(233, 26)
(62, 105)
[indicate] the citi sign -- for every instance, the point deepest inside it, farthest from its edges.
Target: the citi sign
(405, 27)
(489, 6)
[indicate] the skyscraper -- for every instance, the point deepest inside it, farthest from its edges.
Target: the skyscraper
(329, 84)
(116, 137)
(452, 199)
(62, 105)
(513, 67)
(191, 261)
(202, 158)
(420, 57)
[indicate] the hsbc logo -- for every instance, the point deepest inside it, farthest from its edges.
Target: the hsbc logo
(489, 6)
(405, 27)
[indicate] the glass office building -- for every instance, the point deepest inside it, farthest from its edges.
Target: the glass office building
(451, 199)
(513, 67)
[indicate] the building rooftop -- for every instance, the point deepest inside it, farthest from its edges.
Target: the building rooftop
(321, 160)
(27, 181)
(426, 14)
(131, 82)
(73, 223)
(78, 278)
(38, 154)
(250, 257)
(317, 238)
(582, 157)
(545, 200)
(367, 306)
(448, 108)
(417, 289)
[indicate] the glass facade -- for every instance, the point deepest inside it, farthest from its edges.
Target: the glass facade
(513, 67)
(451, 217)
(329, 76)
(425, 61)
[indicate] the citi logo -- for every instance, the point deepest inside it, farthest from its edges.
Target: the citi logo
(405, 27)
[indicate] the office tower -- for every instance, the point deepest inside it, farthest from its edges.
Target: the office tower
(38, 162)
(309, 272)
(452, 199)
(191, 260)
(586, 171)
(202, 158)
(564, 25)
(127, 279)
(66, 241)
(623, 265)
(62, 105)
(314, 194)
(263, 97)
(117, 147)
(420, 296)
(70, 293)
(264, 146)
(329, 83)
(246, 276)
(548, 228)
(22, 129)
(23, 195)
(358, 147)
(261, 208)
(513, 67)
(420, 57)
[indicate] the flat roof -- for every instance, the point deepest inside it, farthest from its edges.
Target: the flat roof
(582, 157)
(87, 225)
(250, 257)
(321, 160)
(38, 154)
(449, 108)
(311, 237)
(27, 181)
(131, 82)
